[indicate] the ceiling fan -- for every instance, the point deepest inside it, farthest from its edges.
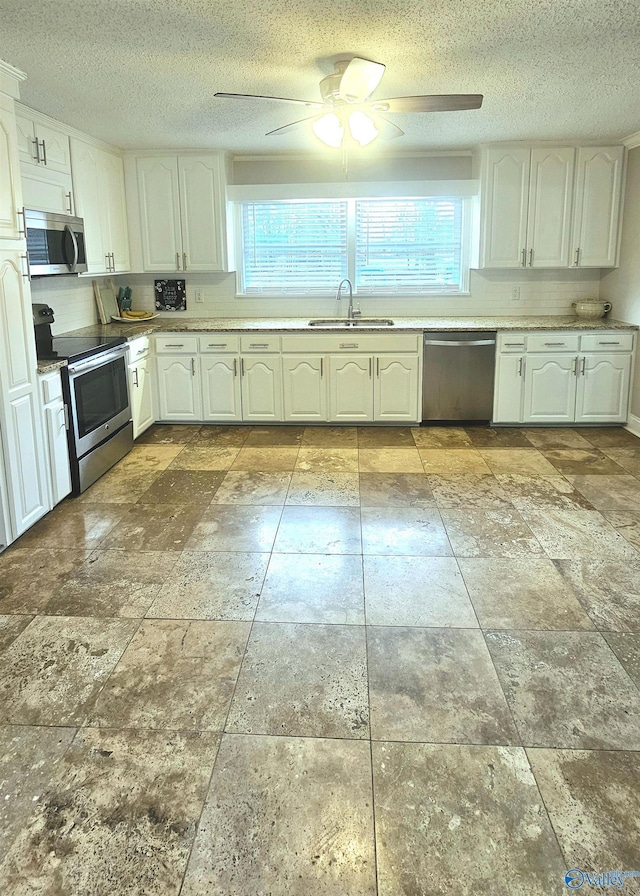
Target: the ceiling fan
(346, 103)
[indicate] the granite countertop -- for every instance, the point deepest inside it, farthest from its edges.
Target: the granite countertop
(295, 324)
(49, 366)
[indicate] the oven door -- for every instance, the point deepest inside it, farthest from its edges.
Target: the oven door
(99, 398)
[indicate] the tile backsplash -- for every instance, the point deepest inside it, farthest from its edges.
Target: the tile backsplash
(491, 293)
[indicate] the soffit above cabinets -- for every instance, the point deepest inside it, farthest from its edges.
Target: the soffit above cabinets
(142, 75)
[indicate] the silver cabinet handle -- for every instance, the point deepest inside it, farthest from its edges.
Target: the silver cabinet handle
(584, 362)
(37, 146)
(370, 367)
(258, 345)
(524, 258)
(608, 343)
(68, 195)
(530, 257)
(27, 275)
(113, 262)
(135, 378)
(575, 366)
(174, 345)
(107, 263)
(193, 367)
(184, 261)
(44, 152)
(577, 257)
(66, 417)
(321, 367)
(378, 368)
(241, 366)
(217, 345)
(521, 367)
(555, 343)
(348, 345)
(514, 344)
(177, 261)
(23, 231)
(235, 367)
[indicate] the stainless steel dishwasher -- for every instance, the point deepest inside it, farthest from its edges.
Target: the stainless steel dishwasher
(458, 374)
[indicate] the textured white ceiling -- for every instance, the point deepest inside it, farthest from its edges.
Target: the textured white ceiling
(142, 73)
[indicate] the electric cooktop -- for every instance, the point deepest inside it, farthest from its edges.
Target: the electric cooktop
(75, 348)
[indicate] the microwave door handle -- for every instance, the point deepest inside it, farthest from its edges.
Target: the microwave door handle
(74, 263)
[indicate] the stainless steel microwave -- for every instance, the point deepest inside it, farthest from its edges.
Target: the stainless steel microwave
(55, 243)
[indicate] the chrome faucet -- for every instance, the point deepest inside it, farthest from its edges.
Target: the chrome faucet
(351, 313)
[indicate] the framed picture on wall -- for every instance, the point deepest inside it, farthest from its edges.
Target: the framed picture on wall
(170, 295)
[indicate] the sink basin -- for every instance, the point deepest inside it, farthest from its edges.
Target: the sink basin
(356, 322)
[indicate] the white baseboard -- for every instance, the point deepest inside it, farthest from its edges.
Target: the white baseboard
(634, 425)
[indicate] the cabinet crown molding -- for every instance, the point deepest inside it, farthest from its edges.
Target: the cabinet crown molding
(67, 129)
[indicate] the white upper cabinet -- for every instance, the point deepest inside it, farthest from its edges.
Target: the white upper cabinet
(42, 144)
(596, 219)
(182, 213)
(526, 207)
(98, 182)
(10, 190)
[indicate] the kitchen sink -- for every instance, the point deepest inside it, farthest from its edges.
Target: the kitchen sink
(356, 322)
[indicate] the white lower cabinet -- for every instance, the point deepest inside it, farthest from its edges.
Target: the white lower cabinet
(221, 395)
(55, 422)
(179, 392)
(261, 379)
(140, 386)
(587, 385)
(350, 388)
(396, 388)
(304, 388)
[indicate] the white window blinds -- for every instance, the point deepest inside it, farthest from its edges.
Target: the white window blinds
(293, 246)
(408, 245)
(386, 246)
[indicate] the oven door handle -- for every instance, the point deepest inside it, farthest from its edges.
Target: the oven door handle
(96, 361)
(76, 253)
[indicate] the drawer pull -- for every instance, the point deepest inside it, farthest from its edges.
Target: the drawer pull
(217, 345)
(514, 344)
(258, 345)
(348, 345)
(608, 343)
(555, 343)
(174, 345)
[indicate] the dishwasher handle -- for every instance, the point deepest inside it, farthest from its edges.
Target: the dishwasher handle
(459, 342)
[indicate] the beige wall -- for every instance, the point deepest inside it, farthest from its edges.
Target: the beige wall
(621, 287)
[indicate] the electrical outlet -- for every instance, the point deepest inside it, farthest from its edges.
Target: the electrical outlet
(199, 296)
(515, 294)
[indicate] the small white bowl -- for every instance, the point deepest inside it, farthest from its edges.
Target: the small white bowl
(591, 309)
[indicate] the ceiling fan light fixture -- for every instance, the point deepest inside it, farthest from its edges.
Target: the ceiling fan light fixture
(363, 128)
(329, 129)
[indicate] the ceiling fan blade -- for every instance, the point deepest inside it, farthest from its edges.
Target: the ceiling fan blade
(360, 79)
(388, 130)
(277, 99)
(455, 102)
(291, 127)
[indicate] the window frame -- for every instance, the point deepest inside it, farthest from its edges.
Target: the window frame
(467, 212)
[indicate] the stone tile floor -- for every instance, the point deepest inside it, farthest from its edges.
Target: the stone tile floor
(327, 661)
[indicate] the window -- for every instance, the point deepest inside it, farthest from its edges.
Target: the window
(397, 246)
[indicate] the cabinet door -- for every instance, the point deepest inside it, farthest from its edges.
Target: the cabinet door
(141, 394)
(55, 152)
(10, 183)
(89, 189)
(509, 388)
(20, 420)
(26, 133)
(396, 388)
(550, 388)
(505, 192)
(603, 388)
(304, 388)
(56, 429)
(179, 389)
(115, 210)
(550, 207)
(159, 213)
(48, 191)
(261, 387)
(200, 209)
(596, 220)
(221, 397)
(350, 387)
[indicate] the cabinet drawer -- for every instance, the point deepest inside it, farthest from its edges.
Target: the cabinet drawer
(260, 342)
(351, 342)
(215, 343)
(553, 342)
(511, 342)
(51, 386)
(177, 344)
(611, 341)
(138, 348)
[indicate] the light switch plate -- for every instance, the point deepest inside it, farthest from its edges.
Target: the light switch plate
(199, 296)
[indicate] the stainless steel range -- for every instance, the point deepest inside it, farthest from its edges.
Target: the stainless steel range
(96, 396)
